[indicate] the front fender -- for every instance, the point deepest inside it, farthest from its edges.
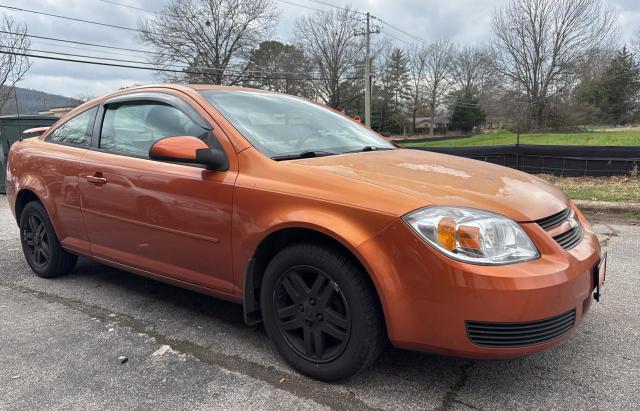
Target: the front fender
(258, 214)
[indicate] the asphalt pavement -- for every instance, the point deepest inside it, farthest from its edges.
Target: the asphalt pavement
(61, 343)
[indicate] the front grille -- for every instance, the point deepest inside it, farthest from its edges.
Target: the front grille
(554, 220)
(568, 239)
(507, 335)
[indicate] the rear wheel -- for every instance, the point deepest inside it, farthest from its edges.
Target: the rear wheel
(321, 312)
(40, 245)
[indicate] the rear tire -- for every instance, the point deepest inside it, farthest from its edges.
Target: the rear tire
(40, 245)
(321, 312)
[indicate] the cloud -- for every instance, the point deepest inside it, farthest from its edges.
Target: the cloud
(463, 21)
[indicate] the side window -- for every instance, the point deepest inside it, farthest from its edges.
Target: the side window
(132, 128)
(76, 131)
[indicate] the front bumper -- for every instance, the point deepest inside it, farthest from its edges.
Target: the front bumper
(428, 298)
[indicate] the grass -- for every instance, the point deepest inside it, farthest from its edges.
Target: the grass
(619, 189)
(608, 137)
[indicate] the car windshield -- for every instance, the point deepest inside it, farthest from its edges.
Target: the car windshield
(283, 126)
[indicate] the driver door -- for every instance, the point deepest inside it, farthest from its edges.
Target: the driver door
(172, 220)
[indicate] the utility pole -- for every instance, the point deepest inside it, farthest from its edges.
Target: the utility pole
(367, 32)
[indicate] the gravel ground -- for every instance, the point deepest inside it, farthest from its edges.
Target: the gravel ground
(61, 341)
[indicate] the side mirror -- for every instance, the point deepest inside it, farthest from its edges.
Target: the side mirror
(189, 149)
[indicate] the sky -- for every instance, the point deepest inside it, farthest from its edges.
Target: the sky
(465, 22)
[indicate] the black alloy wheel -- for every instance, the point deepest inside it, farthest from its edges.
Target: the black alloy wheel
(40, 245)
(312, 313)
(321, 311)
(36, 240)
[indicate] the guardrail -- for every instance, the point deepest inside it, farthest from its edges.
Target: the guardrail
(559, 160)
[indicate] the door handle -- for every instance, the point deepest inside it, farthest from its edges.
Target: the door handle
(96, 179)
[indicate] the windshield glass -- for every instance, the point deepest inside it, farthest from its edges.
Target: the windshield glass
(280, 125)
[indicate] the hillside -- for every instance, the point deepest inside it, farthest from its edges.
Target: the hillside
(34, 101)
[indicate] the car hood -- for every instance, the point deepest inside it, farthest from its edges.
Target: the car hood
(440, 179)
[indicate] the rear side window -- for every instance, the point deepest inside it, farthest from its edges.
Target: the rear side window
(75, 131)
(131, 129)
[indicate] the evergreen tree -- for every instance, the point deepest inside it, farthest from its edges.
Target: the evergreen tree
(467, 113)
(613, 98)
(621, 87)
(395, 90)
(279, 67)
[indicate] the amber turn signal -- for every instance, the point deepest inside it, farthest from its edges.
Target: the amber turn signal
(447, 233)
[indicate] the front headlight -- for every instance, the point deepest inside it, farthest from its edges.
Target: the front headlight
(472, 236)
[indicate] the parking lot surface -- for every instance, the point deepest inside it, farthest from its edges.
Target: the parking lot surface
(61, 341)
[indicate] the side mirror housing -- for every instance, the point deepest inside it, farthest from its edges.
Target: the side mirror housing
(213, 158)
(189, 149)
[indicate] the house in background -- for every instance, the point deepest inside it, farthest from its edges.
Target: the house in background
(423, 124)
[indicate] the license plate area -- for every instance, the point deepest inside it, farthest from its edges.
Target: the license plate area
(599, 276)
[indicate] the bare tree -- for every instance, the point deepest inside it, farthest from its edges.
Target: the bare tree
(84, 97)
(594, 63)
(438, 65)
(418, 55)
(14, 44)
(471, 68)
(327, 38)
(212, 38)
(540, 43)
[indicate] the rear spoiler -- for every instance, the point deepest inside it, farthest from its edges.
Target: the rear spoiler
(37, 130)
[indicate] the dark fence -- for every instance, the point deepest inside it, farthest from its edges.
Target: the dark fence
(427, 138)
(557, 160)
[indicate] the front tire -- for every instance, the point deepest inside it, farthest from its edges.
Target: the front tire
(321, 312)
(40, 245)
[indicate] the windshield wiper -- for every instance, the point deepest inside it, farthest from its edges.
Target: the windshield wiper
(304, 154)
(369, 148)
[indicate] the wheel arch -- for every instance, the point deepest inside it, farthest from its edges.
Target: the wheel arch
(28, 194)
(276, 241)
(24, 197)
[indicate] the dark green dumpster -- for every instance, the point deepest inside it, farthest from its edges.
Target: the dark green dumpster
(11, 127)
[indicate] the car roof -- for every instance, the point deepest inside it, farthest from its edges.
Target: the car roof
(187, 88)
(196, 87)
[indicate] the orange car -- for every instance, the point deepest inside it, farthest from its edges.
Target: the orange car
(332, 237)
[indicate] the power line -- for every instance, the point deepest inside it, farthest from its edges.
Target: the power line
(263, 75)
(128, 6)
(320, 3)
(177, 66)
(335, 6)
(119, 48)
(89, 57)
(70, 18)
(64, 46)
(97, 63)
(300, 5)
(395, 37)
(136, 30)
(414, 37)
(79, 42)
